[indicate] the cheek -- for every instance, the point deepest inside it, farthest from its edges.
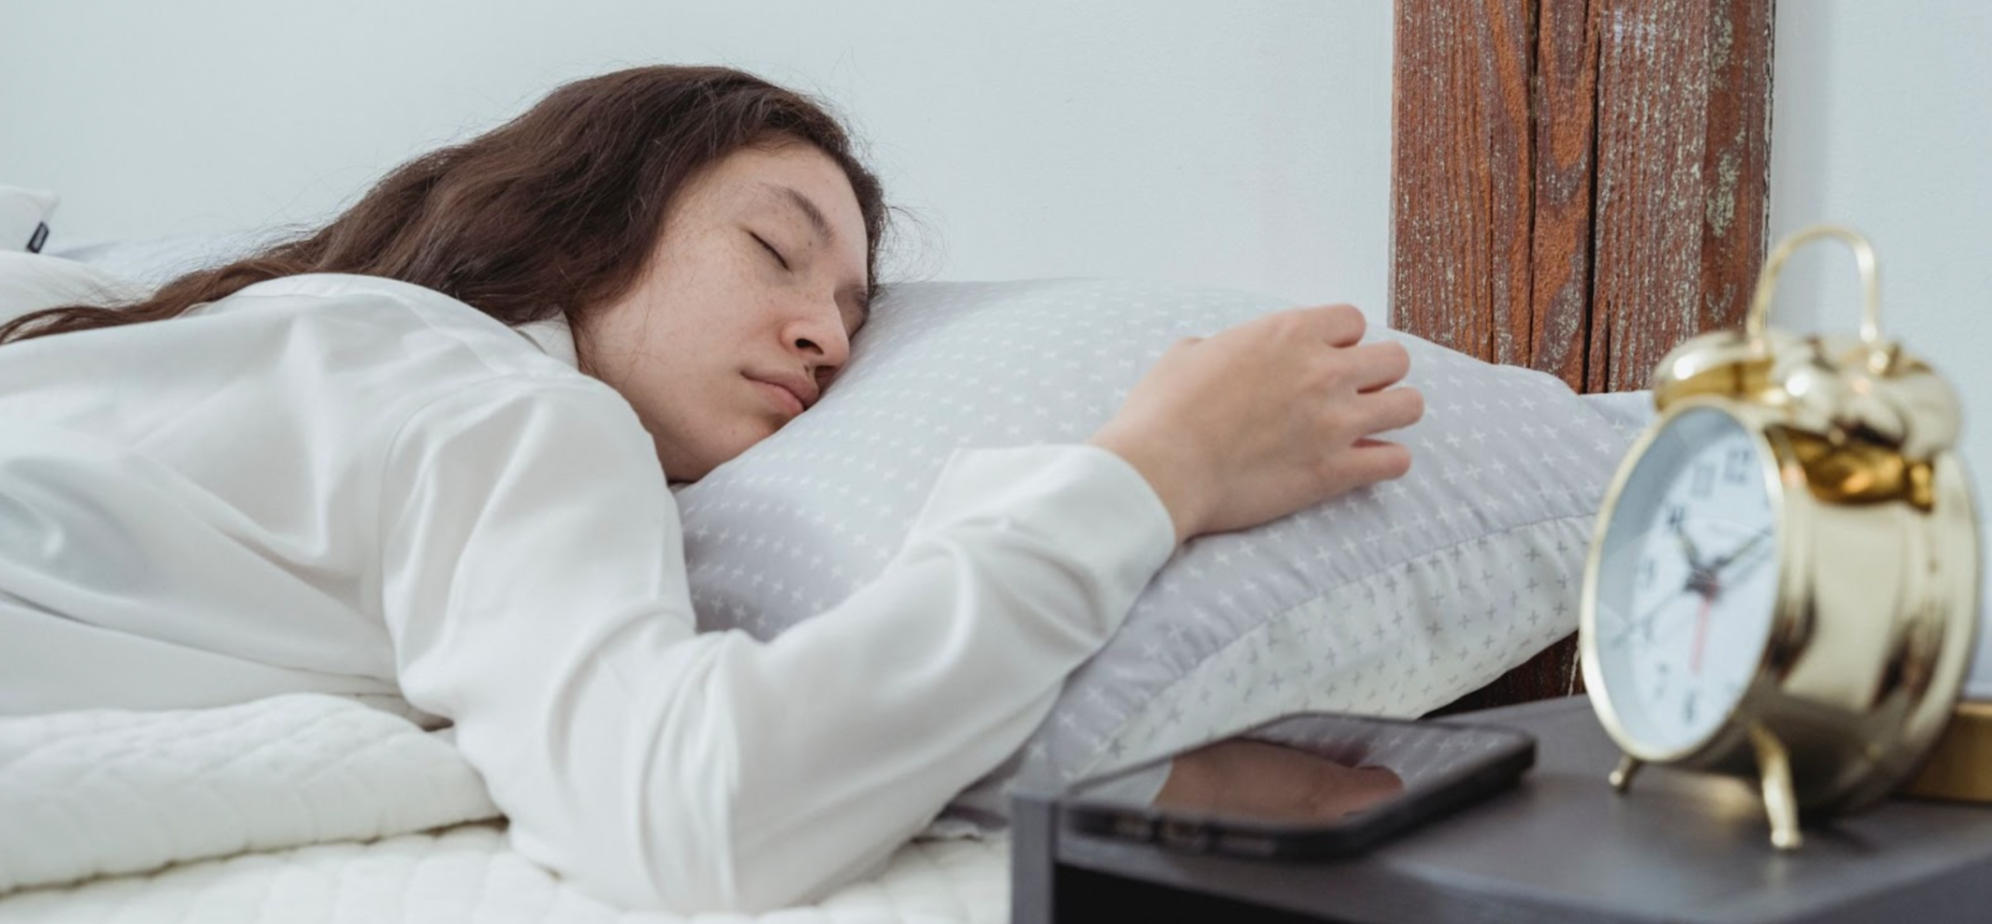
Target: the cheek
(635, 352)
(708, 309)
(676, 348)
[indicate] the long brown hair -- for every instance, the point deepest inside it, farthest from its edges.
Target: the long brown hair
(551, 213)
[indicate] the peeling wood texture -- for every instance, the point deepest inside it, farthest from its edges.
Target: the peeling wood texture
(1684, 156)
(1565, 140)
(1577, 186)
(1462, 180)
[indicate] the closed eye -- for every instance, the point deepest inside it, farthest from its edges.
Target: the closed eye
(770, 248)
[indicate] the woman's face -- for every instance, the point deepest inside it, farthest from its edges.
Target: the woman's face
(745, 310)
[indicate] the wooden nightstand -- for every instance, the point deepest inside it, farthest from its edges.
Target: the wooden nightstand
(1562, 847)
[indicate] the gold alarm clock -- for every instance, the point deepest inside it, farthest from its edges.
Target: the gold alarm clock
(1783, 583)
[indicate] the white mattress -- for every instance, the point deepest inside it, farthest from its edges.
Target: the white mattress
(466, 873)
(318, 808)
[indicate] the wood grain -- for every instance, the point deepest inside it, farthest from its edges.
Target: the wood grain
(1737, 194)
(1683, 176)
(1461, 176)
(1577, 186)
(1565, 140)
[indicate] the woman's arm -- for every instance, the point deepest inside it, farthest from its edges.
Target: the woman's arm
(536, 593)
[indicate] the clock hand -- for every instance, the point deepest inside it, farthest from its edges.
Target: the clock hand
(1701, 582)
(1625, 630)
(1705, 585)
(1701, 637)
(1749, 565)
(1725, 560)
(1688, 545)
(1644, 621)
(1629, 628)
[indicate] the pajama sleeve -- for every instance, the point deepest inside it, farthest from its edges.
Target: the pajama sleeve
(535, 589)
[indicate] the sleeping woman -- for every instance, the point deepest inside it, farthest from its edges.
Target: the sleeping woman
(421, 455)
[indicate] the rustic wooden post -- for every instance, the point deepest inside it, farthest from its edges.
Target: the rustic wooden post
(1577, 186)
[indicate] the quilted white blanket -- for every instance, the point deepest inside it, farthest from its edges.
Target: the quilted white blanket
(273, 797)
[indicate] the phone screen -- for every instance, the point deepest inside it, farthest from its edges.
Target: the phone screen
(1309, 784)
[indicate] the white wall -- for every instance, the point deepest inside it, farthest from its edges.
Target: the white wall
(1198, 140)
(1882, 120)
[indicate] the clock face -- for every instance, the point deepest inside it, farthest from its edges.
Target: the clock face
(1687, 581)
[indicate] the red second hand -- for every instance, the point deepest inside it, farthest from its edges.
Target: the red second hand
(1701, 633)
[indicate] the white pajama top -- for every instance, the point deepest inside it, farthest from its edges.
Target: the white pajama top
(357, 486)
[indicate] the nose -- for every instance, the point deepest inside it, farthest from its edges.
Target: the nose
(817, 334)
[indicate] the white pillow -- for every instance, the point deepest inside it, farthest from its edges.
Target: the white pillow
(152, 262)
(32, 281)
(24, 218)
(1392, 600)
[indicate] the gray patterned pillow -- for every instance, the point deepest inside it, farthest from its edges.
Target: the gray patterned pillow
(1392, 600)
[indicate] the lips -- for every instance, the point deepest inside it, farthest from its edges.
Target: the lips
(796, 393)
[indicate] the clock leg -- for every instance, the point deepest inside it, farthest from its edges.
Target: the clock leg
(1780, 803)
(1622, 774)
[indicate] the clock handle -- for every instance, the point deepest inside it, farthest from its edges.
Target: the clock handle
(1780, 802)
(1754, 323)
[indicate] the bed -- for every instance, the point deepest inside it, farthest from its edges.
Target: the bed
(1537, 223)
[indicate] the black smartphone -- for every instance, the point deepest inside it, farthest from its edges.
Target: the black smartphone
(1311, 785)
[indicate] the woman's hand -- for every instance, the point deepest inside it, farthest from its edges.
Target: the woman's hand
(1266, 418)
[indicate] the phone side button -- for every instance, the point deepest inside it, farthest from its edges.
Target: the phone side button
(1134, 827)
(1247, 845)
(1182, 835)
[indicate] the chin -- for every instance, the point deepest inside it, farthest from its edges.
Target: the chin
(687, 467)
(722, 454)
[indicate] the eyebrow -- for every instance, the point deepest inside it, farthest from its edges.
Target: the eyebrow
(808, 208)
(861, 294)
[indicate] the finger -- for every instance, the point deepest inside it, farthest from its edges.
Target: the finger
(1337, 325)
(1391, 409)
(1371, 461)
(1378, 365)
